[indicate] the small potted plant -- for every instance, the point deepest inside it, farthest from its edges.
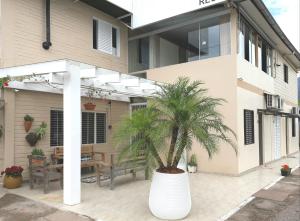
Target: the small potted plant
(13, 177)
(192, 165)
(285, 170)
(90, 105)
(37, 156)
(28, 122)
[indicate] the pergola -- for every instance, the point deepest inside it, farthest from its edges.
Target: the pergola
(73, 79)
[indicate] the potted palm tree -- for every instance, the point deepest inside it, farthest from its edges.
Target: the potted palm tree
(177, 114)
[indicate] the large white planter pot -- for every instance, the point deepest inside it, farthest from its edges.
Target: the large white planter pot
(170, 196)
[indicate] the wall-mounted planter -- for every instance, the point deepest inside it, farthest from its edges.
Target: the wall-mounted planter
(27, 125)
(89, 106)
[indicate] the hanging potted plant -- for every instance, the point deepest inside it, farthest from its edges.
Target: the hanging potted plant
(28, 122)
(33, 137)
(176, 116)
(13, 177)
(192, 165)
(90, 105)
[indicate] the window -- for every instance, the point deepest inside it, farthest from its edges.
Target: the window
(286, 73)
(293, 128)
(192, 42)
(249, 127)
(88, 127)
(254, 48)
(93, 128)
(56, 128)
(101, 128)
(106, 37)
(143, 52)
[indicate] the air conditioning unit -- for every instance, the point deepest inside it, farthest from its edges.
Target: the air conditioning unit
(273, 101)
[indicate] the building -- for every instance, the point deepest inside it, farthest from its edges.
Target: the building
(235, 47)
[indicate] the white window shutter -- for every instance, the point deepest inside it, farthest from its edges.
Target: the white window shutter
(105, 37)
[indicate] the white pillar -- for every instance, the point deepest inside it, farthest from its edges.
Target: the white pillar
(72, 135)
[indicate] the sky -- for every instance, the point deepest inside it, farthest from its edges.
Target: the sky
(287, 15)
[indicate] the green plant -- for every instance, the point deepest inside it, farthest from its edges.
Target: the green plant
(179, 112)
(41, 130)
(27, 117)
(193, 160)
(37, 152)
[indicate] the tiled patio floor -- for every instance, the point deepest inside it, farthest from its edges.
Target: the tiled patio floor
(213, 196)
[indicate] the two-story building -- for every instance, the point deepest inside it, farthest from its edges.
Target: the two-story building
(235, 47)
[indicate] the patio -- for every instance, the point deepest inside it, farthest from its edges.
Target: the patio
(213, 196)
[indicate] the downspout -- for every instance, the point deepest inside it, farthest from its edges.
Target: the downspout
(47, 43)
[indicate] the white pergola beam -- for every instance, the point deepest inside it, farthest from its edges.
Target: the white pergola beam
(40, 68)
(72, 135)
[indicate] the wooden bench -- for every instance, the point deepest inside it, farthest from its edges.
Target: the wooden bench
(113, 169)
(88, 154)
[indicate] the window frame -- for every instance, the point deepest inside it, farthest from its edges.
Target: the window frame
(285, 73)
(118, 37)
(245, 128)
(95, 126)
(293, 127)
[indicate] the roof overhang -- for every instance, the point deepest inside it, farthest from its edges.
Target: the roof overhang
(49, 77)
(107, 7)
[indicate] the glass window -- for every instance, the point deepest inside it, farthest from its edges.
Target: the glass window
(106, 37)
(286, 73)
(56, 128)
(93, 128)
(202, 40)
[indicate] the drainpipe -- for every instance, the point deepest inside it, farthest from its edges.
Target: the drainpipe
(47, 43)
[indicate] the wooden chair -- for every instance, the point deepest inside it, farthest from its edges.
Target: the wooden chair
(40, 170)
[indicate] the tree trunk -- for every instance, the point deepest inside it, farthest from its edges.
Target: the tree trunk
(180, 149)
(156, 155)
(172, 145)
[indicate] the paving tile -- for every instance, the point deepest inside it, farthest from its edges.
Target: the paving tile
(271, 195)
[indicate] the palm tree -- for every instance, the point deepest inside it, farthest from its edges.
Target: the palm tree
(177, 113)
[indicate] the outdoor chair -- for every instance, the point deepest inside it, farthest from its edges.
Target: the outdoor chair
(41, 171)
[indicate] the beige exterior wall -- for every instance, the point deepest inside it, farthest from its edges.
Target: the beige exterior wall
(287, 91)
(23, 31)
(38, 105)
(221, 83)
(252, 84)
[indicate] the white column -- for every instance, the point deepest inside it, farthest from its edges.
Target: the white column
(72, 135)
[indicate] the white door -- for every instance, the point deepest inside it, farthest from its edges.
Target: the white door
(277, 138)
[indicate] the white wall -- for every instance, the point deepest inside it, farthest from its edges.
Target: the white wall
(248, 154)
(286, 90)
(252, 75)
(146, 11)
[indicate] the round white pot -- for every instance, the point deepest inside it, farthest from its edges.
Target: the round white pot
(170, 196)
(192, 169)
